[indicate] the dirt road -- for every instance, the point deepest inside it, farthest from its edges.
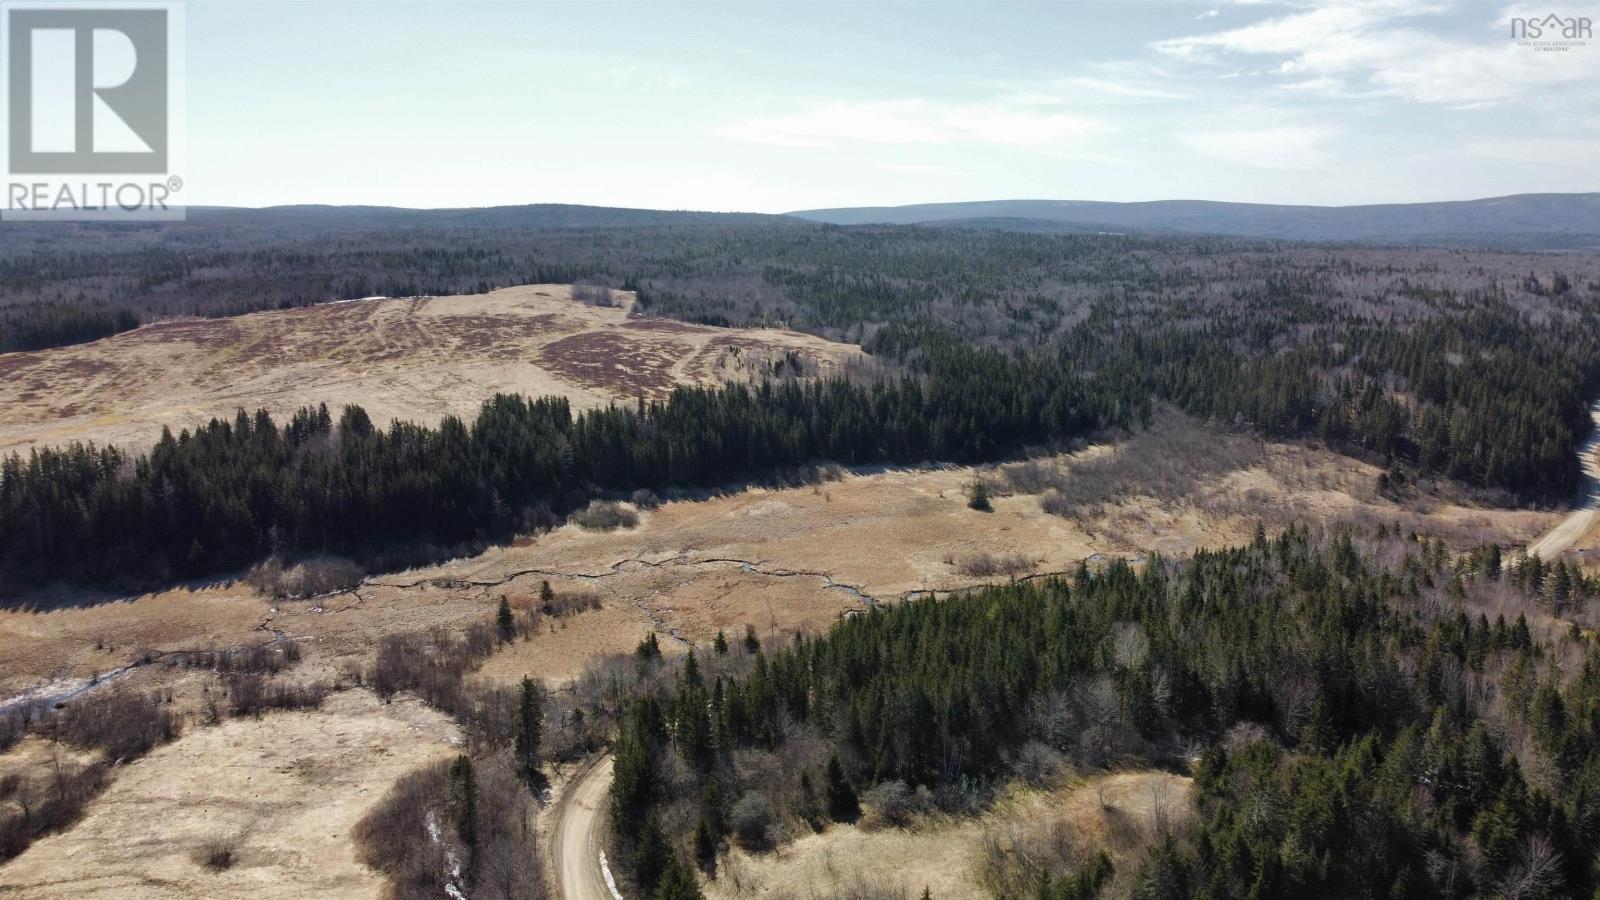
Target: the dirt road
(1584, 516)
(577, 836)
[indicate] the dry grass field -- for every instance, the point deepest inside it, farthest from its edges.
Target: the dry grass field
(280, 793)
(418, 359)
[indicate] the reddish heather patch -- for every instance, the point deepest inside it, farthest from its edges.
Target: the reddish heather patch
(205, 334)
(80, 367)
(12, 365)
(665, 326)
(629, 367)
(497, 336)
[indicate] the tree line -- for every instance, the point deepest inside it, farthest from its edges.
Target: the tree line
(232, 492)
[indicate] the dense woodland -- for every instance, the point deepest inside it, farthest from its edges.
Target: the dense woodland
(1473, 366)
(236, 491)
(1355, 724)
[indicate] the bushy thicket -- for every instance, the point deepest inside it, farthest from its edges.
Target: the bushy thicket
(119, 726)
(427, 832)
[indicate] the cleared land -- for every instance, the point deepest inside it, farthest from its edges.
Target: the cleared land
(281, 793)
(418, 359)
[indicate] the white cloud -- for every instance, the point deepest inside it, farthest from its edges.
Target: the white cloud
(1379, 48)
(1278, 147)
(914, 169)
(1574, 153)
(1006, 124)
(633, 76)
(1208, 14)
(1112, 86)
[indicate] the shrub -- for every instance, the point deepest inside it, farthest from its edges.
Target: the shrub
(752, 820)
(432, 664)
(895, 804)
(604, 515)
(216, 855)
(261, 659)
(249, 694)
(567, 603)
(592, 295)
(1038, 764)
(307, 578)
(122, 723)
(988, 565)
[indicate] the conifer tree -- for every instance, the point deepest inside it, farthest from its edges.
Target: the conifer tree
(464, 792)
(843, 805)
(505, 620)
(529, 725)
(705, 847)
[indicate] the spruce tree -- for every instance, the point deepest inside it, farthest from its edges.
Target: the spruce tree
(676, 883)
(705, 847)
(651, 855)
(505, 621)
(529, 725)
(649, 649)
(978, 496)
(464, 793)
(843, 805)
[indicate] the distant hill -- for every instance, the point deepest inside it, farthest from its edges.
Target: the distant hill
(535, 215)
(1534, 220)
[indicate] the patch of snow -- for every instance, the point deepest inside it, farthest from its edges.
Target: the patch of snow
(611, 882)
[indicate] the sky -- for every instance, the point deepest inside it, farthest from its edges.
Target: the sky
(770, 107)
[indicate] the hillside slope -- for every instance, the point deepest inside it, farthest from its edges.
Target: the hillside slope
(417, 359)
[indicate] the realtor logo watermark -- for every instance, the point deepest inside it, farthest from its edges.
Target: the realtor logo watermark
(94, 111)
(1552, 33)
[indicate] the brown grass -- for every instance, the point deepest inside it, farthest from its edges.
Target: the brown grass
(283, 792)
(414, 359)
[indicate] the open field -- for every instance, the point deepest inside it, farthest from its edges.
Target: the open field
(282, 792)
(418, 359)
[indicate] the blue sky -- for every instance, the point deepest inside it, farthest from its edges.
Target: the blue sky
(777, 106)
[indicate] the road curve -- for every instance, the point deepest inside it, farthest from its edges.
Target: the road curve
(577, 834)
(1587, 512)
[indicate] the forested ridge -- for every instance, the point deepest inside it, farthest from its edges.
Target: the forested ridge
(1356, 726)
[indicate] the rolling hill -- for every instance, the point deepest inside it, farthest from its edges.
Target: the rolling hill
(1545, 221)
